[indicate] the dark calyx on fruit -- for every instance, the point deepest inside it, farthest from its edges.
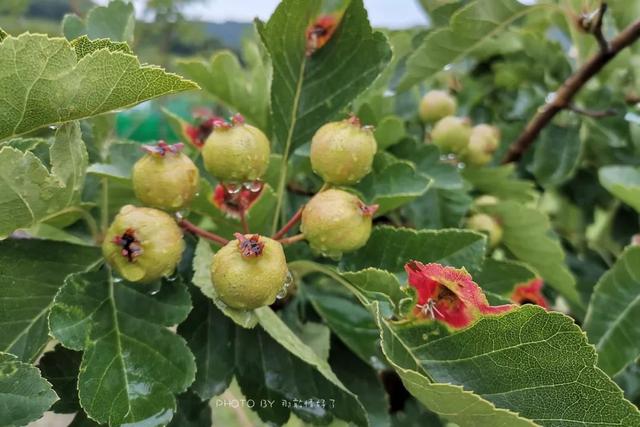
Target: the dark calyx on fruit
(131, 247)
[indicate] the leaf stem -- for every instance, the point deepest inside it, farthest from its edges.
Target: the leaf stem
(291, 240)
(282, 180)
(289, 225)
(104, 206)
(568, 90)
(189, 226)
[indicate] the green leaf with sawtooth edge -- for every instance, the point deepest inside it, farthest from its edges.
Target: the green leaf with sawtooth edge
(211, 338)
(30, 193)
(83, 46)
(623, 182)
(469, 27)
(391, 248)
(530, 361)
(393, 186)
(557, 155)
(500, 182)
(115, 21)
(307, 92)
(613, 314)
(245, 90)
(24, 394)
(526, 233)
(132, 365)
(347, 406)
(501, 276)
(46, 83)
(31, 273)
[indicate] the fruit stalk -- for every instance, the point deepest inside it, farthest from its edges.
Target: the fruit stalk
(289, 225)
(189, 226)
(292, 239)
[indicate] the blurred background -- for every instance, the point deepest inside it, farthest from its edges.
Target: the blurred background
(169, 31)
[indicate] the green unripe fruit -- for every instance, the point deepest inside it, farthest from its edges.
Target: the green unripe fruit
(486, 224)
(486, 200)
(435, 105)
(451, 134)
(249, 272)
(342, 152)
(165, 179)
(334, 222)
(483, 142)
(143, 244)
(237, 152)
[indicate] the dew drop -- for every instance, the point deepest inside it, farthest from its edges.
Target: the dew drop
(451, 156)
(172, 277)
(288, 280)
(253, 186)
(461, 165)
(233, 187)
(154, 291)
(282, 293)
(53, 127)
(117, 280)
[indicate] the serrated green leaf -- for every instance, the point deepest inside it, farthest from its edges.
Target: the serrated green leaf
(500, 182)
(523, 357)
(3, 35)
(393, 186)
(202, 279)
(245, 90)
(211, 340)
(24, 394)
(557, 155)
(613, 314)
(623, 182)
(348, 319)
(115, 21)
(469, 27)
(48, 84)
(526, 233)
(362, 380)
(192, 412)
(30, 193)
(60, 367)
(83, 46)
(389, 131)
(314, 378)
(438, 208)
(427, 160)
(501, 276)
(307, 92)
(391, 248)
(31, 272)
(132, 365)
(73, 26)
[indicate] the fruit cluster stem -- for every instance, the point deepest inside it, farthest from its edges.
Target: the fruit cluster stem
(289, 225)
(189, 226)
(292, 239)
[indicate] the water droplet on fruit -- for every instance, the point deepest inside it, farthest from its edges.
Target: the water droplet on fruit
(253, 186)
(232, 187)
(282, 293)
(117, 280)
(172, 277)
(53, 127)
(461, 165)
(288, 280)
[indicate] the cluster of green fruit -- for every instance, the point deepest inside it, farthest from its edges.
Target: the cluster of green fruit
(454, 135)
(143, 244)
(472, 145)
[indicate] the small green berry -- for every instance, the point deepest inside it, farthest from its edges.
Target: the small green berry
(249, 272)
(435, 105)
(483, 142)
(334, 222)
(342, 152)
(165, 178)
(486, 224)
(143, 244)
(451, 134)
(236, 152)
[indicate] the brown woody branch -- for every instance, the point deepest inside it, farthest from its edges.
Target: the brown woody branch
(568, 90)
(596, 114)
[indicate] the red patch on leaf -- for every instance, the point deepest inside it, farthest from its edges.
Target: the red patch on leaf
(530, 293)
(234, 203)
(320, 32)
(449, 295)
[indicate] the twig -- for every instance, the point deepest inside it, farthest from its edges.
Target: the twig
(202, 233)
(597, 28)
(243, 221)
(292, 239)
(591, 113)
(567, 91)
(289, 225)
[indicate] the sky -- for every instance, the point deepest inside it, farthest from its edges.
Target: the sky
(382, 13)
